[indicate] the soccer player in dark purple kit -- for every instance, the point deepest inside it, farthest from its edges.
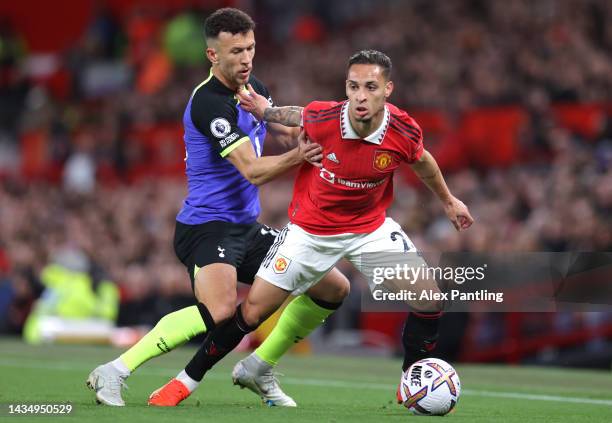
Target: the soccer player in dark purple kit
(217, 235)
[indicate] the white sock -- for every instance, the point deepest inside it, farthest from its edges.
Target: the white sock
(184, 378)
(120, 365)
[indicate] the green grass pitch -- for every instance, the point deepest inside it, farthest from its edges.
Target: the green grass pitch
(327, 389)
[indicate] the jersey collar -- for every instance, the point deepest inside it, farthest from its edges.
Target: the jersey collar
(219, 86)
(348, 133)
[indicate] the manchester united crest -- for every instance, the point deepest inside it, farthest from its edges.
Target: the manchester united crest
(281, 264)
(382, 160)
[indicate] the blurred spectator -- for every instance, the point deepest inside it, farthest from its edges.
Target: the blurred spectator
(80, 168)
(183, 40)
(78, 302)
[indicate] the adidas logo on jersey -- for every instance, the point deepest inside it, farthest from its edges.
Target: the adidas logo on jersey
(332, 158)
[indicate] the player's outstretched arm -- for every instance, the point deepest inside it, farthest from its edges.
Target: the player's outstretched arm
(287, 115)
(429, 172)
(260, 108)
(259, 170)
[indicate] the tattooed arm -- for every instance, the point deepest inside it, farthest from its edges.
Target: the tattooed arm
(260, 108)
(287, 115)
(283, 122)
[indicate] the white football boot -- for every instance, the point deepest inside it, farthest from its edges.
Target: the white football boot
(107, 382)
(265, 385)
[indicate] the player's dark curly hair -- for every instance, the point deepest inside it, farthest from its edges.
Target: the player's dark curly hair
(229, 20)
(372, 57)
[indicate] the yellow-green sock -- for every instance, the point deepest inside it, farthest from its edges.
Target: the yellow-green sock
(172, 330)
(298, 320)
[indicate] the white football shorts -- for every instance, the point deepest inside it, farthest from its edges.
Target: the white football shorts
(298, 259)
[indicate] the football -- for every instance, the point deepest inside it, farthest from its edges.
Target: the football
(430, 387)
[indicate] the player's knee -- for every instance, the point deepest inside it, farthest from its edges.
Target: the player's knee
(429, 297)
(334, 288)
(338, 287)
(251, 313)
(340, 290)
(251, 317)
(427, 306)
(223, 311)
(220, 307)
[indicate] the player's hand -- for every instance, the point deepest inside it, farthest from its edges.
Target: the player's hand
(252, 102)
(458, 214)
(310, 151)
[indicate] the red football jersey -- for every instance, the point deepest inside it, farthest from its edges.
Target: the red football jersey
(353, 190)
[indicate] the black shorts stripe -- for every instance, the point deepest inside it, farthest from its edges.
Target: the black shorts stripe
(274, 248)
(269, 229)
(406, 126)
(404, 133)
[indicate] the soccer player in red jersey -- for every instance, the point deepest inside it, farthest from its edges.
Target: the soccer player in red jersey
(338, 209)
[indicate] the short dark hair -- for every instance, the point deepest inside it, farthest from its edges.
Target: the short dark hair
(229, 20)
(371, 57)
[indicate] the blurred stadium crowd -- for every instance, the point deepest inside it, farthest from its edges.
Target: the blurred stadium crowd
(91, 157)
